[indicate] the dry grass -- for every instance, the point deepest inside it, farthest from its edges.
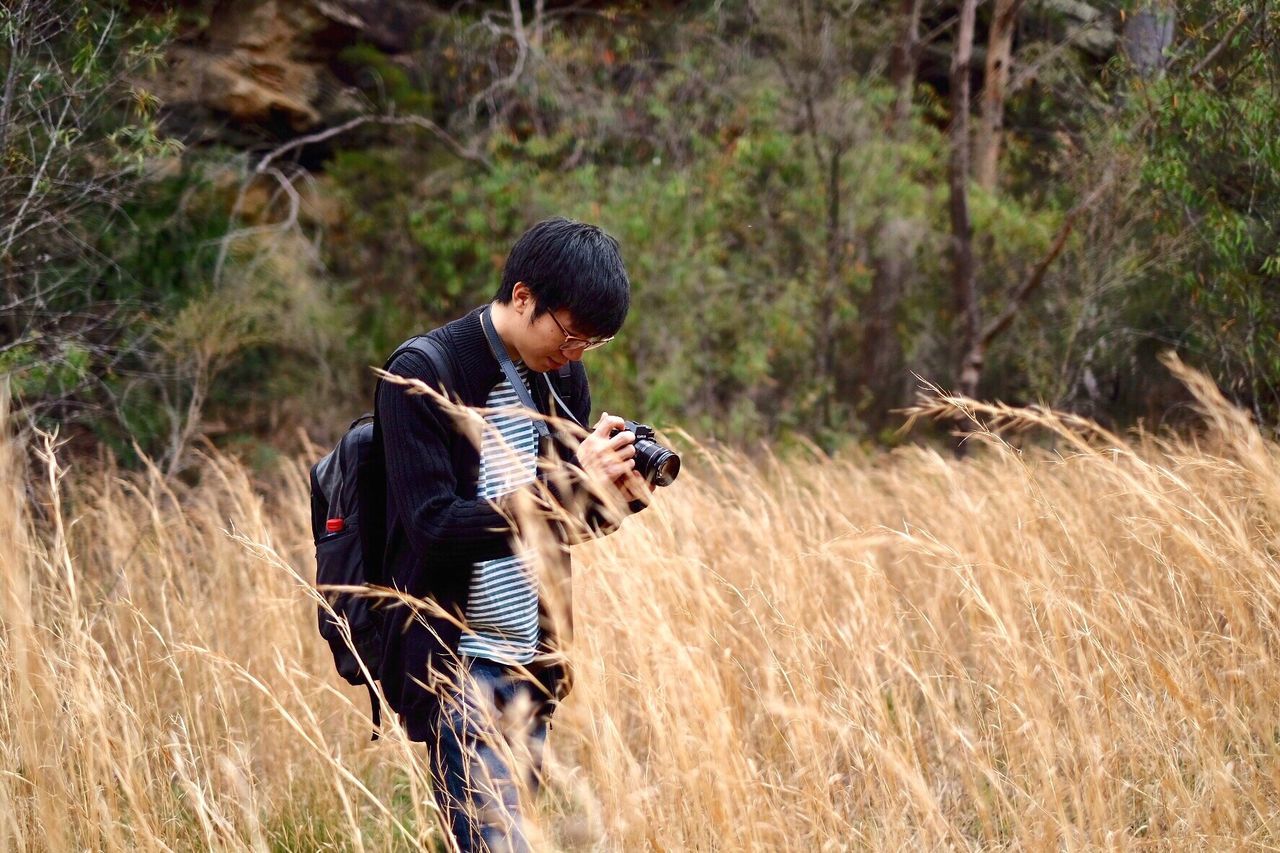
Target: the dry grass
(1024, 650)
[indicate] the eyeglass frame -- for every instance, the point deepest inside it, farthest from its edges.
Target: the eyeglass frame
(570, 339)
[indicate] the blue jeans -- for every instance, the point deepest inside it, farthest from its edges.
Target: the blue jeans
(488, 743)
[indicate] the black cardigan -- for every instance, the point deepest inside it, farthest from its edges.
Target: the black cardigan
(437, 528)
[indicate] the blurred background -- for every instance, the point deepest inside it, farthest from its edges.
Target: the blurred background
(215, 216)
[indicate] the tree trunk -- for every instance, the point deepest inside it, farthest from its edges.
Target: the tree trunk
(1148, 34)
(963, 279)
(880, 352)
(878, 374)
(826, 320)
(975, 354)
(902, 63)
(990, 133)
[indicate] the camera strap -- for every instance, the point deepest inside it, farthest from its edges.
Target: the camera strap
(499, 350)
(561, 405)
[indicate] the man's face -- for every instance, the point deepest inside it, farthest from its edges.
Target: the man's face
(542, 347)
(550, 341)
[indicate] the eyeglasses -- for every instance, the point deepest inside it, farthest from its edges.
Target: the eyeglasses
(573, 343)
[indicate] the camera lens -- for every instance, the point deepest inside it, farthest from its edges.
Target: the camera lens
(656, 463)
(667, 468)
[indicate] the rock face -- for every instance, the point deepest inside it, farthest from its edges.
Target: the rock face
(266, 68)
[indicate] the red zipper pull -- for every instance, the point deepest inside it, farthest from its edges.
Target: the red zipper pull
(335, 525)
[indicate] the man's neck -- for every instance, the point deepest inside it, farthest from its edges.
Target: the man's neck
(505, 323)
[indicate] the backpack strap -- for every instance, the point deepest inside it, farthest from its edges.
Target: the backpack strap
(562, 388)
(564, 379)
(375, 710)
(562, 399)
(374, 532)
(430, 349)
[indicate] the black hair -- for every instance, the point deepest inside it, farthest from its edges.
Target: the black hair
(571, 266)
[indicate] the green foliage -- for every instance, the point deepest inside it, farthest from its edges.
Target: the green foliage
(725, 250)
(465, 232)
(391, 80)
(77, 134)
(34, 376)
(783, 227)
(162, 257)
(1212, 172)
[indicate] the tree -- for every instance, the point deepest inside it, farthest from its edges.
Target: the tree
(995, 82)
(1204, 108)
(75, 137)
(964, 285)
(973, 335)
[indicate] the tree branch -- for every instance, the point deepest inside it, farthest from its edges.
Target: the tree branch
(10, 77)
(1221, 45)
(1028, 72)
(418, 121)
(1035, 276)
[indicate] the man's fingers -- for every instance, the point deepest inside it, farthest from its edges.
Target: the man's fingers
(634, 487)
(621, 469)
(612, 456)
(607, 424)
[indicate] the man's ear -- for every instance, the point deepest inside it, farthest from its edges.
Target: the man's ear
(521, 298)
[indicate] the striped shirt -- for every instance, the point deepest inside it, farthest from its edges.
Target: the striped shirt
(502, 610)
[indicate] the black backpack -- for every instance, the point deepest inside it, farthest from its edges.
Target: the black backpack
(348, 523)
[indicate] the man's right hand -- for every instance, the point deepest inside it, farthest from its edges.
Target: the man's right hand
(608, 459)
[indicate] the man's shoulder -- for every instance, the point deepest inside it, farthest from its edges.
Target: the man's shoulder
(436, 348)
(428, 352)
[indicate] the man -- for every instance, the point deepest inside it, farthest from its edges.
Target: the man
(487, 649)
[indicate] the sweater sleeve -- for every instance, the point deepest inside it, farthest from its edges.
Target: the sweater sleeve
(421, 483)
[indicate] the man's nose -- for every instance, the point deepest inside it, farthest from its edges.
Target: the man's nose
(574, 355)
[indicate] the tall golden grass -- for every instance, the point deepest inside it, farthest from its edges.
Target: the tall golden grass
(1061, 649)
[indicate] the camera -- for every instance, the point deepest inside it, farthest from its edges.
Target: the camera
(657, 464)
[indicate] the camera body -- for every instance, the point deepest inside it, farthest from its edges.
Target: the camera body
(657, 464)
